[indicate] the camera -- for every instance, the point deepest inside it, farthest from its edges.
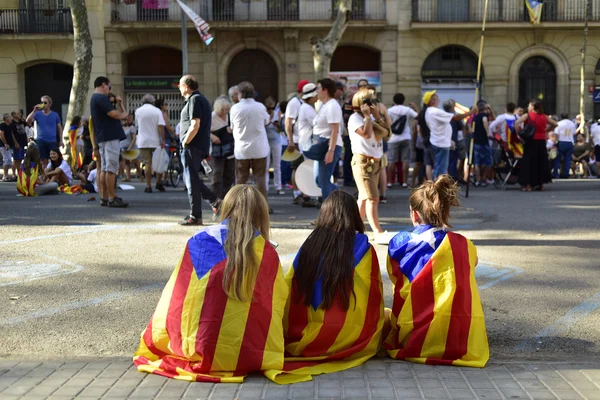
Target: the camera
(367, 101)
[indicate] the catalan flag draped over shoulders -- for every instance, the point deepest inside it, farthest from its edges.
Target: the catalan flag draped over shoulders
(437, 317)
(512, 138)
(534, 7)
(322, 341)
(26, 183)
(198, 333)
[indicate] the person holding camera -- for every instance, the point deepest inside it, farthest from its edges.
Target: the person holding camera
(367, 128)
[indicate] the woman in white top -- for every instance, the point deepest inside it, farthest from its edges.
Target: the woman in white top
(222, 159)
(367, 128)
(327, 125)
(58, 170)
(128, 144)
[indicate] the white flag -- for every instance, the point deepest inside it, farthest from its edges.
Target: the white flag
(200, 24)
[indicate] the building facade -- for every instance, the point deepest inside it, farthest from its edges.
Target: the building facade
(403, 45)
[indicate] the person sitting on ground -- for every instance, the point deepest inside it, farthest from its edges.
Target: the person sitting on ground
(437, 317)
(581, 155)
(58, 170)
(220, 316)
(334, 315)
(30, 182)
(88, 180)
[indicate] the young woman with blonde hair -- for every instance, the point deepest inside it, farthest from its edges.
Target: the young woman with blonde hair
(220, 315)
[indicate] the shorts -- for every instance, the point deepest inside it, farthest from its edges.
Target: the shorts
(419, 155)
(366, 175)
(482, 155)
(6, 156)
(19, 155)
(428, 156)
(109, 156)
(146, 155)
(45, 147)
(399, 151)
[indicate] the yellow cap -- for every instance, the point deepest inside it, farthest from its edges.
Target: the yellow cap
(427, 97)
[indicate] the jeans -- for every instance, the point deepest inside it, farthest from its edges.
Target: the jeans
(325, 172)
(441, 160)
(348, 177)
(259, 170)
(565, 149)
(191, 159)
(275, 156)
(453, 166)
(286, 169)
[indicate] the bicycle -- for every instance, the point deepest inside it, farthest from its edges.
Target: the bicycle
(174, 168)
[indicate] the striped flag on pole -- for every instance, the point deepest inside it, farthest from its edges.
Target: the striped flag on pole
(201, 25)
(198, 333)
(437, 317)
(322, 341)
(534, 7)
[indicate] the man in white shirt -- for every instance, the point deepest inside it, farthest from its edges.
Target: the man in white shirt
(306, 115)
(595, 138)
(566, 132)
(291, 129)
(150, 125)
(438, 122)
(399, 143)
(248, 120)
(499, 125)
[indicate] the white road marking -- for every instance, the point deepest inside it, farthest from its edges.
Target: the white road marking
(98, 228)
(13, 272)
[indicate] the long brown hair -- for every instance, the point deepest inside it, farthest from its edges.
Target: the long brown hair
(328, 253)
(31, 157)
(247, 211)
(432, 200)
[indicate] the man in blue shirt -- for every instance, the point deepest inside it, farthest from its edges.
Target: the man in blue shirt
(49, 128)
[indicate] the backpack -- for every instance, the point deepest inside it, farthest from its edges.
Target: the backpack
(425, 131)
(399, 125)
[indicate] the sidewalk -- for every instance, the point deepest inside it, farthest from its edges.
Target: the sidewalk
(377, 379)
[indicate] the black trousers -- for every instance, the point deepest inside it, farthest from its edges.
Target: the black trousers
(197, 190)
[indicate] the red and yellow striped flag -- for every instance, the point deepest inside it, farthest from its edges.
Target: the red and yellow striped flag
(324, 341)
(72, 142)
(26, 183)
(437, 317)
(198, 333)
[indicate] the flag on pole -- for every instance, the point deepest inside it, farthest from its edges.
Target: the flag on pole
(198, 333)
(437, 317)
(201, 25)
(322, 341)
(534, 7)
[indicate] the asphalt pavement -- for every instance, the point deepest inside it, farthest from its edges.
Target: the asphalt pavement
(80, 282)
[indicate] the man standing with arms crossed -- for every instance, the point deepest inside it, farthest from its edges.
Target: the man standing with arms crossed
(108, 133)
(195, 140)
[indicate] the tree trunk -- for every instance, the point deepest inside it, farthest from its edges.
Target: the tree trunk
(581, 128)
(82, 69)
(323, 48)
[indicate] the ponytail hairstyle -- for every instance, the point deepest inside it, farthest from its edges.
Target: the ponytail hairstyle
(432, 200)
(32, 160)
(328, 253)
(247, 211)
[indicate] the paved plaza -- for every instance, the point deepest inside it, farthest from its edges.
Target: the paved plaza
(79, 282)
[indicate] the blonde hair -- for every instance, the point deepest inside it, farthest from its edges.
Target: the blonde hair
(247, 211)
(361, 95)
(432, 200)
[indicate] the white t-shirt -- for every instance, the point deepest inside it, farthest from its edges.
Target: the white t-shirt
(147, 120)
(292, 110)
(64, 167)
(499, 124)
(366, 147)
(395, 113)
(304, 123)
(329, 113)
(438, 122)
(595, 133)
(92, 179)
(248, 120)
(566, 131)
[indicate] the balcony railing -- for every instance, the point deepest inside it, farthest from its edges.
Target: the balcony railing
(500, 11)
(27, 21)
(243, 10)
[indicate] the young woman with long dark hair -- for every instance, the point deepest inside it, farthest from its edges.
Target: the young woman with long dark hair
(334, 316)
(58, 170)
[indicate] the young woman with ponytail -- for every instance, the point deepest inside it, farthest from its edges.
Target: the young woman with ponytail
(437, 317)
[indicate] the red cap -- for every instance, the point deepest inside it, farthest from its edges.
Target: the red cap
(301, 84)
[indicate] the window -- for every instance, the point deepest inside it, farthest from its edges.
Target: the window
(537, 80)
(451, 62)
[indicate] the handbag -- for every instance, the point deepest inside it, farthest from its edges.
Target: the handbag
(225, 149)
(528, 131)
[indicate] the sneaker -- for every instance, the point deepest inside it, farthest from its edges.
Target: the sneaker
(405, 185)
(310, 203)
(490, 182)
(280, 192)
(382, 199)
(482, 184)
(117, 202)
(103, 202)
(477, 184)
(298, 200)
(160, 187)
(148, 190)
(190, 220)
(389, 185)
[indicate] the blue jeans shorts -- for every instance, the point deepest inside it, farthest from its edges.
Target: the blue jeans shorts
(483, 155)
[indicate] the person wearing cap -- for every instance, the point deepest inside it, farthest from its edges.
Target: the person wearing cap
(440, 139)
(307, 113)
(291, 129)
